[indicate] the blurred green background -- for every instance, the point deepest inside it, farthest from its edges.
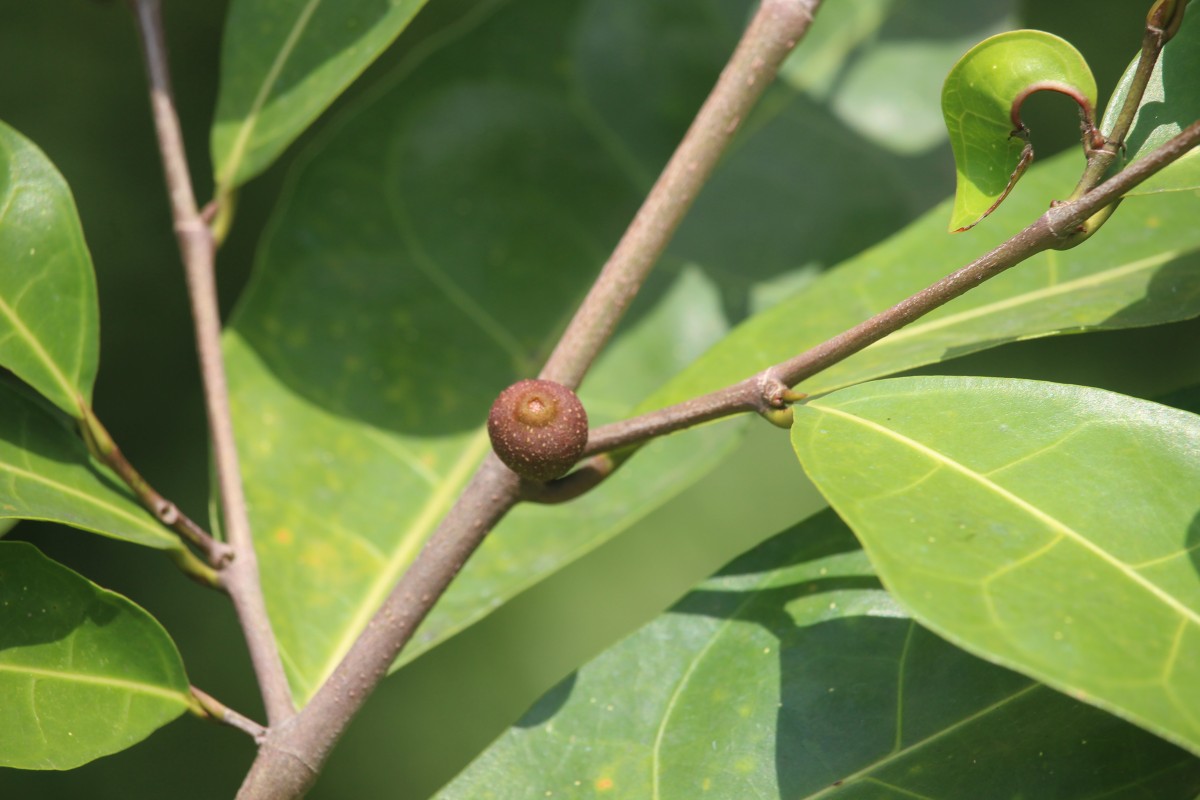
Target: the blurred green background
(72, 81)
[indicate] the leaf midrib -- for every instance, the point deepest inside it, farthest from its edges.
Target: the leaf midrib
(105, 681)
(96, 502)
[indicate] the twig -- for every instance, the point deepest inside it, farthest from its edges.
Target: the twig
(771, 35)
(218, 711)
(1162, 22)
(766, 389)
(292, 754)
(102, 446)
(197, 247)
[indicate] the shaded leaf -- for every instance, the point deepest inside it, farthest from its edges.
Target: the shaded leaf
(792, 675)
(1049, 528)
(46, 474)
(836, 32)
(1170, 103)
(282, 63)
(49, 319)
(83, 671)
(890, 90)
(981, 101)
(1143, 270)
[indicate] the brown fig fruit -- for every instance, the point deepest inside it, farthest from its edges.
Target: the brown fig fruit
(538, 428)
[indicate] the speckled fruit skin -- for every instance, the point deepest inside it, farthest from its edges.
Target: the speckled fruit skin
(538, 428)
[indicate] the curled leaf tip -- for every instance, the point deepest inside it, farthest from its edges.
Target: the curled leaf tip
(981, 102)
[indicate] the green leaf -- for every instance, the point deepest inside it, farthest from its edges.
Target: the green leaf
(282, 63)
(1049, 528)
(792, 675)
(46, 474)
(49, 318)
(1170, 103)
(83, 671)
(981, 101)
(1144, 270)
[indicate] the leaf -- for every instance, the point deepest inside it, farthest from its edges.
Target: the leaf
(792, 675)
(46, 474)
(1170, 103)
(1048, 528)
(83, 671)
(981, 101)
(282, 63)
(49, 318)
(1144, 271)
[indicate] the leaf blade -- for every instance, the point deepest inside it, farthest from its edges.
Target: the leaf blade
(100, 674)
(49, 318)
(282, 64)
(1052, 580)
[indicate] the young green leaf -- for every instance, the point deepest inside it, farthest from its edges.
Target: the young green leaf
(791, 675)
(49, 318)
(981, 101)
(282, 64)
(46, 474)
(1170, 103)
(1048, 528)
(83, 671)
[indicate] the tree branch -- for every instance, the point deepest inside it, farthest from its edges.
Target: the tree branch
(766, 390)
(198, 249)
(1162, 22)
(293, 753)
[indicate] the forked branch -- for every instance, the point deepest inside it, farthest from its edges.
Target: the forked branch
(196, 245)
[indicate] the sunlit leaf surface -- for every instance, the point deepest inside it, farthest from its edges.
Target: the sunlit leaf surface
(1049, 528)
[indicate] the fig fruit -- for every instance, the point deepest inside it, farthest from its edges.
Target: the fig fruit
(538, 429)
